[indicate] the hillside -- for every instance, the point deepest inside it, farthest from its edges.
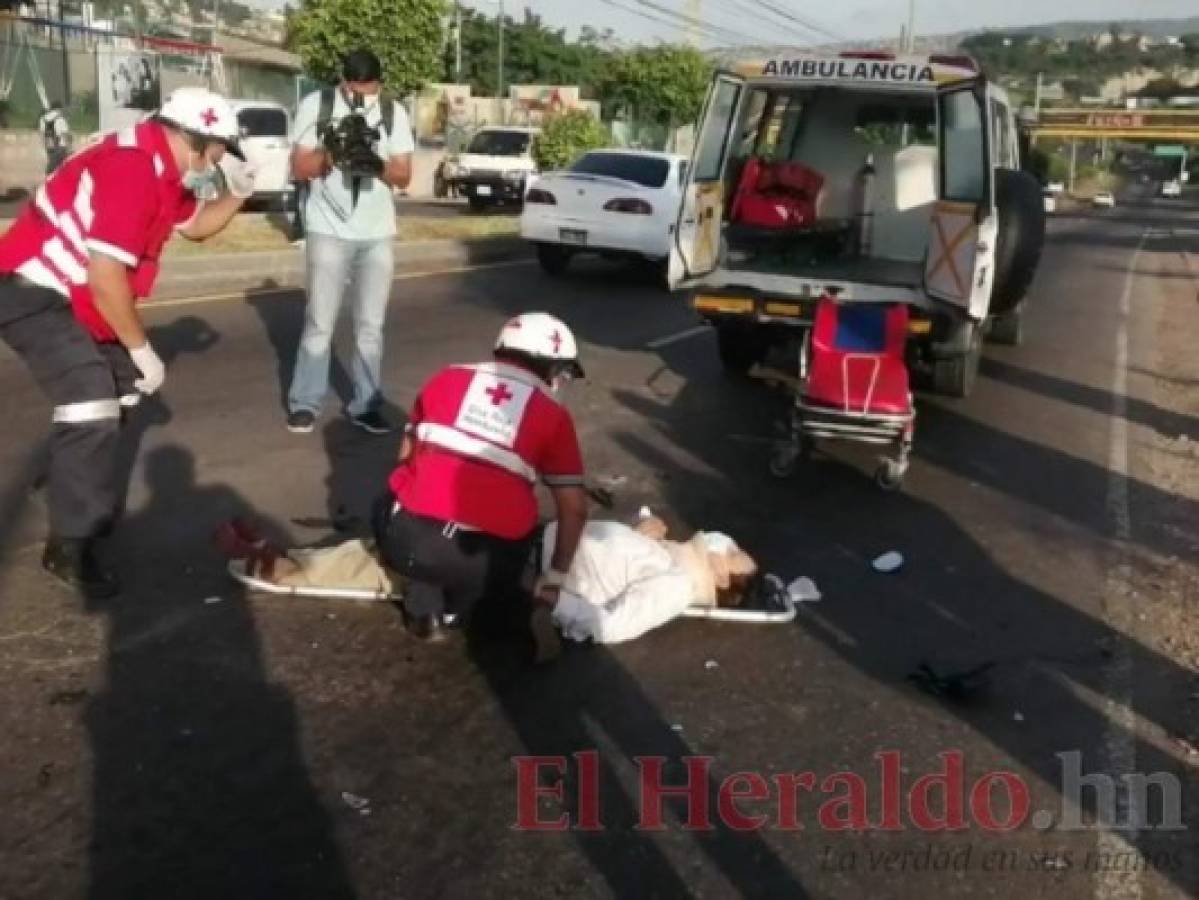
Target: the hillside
(1073, 31)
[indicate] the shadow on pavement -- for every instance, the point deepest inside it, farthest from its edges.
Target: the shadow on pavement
(589, 701)
(1165, 422)
(200, 785)
(953, 607)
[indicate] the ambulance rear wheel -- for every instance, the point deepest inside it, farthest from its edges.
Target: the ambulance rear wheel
(740, 348)
(953, 376)
(1007, 329)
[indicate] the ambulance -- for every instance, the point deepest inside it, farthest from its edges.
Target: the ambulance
(865, 177)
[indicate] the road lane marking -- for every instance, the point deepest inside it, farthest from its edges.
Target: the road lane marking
(677, 337)
(298, 289)
(1119, 740)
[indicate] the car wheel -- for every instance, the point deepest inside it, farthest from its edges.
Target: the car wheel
(1021, 214)
(553, 258)
(953, 376)
(1008, 329)
(740, 347)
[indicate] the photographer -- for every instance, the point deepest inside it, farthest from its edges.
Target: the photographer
(353, 148)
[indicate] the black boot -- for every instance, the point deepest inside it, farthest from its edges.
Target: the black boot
(73, 562)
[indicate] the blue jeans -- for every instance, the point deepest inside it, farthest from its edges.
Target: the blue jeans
(336, 267)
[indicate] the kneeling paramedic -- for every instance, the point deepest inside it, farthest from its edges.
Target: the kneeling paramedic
(72, 268)
(460, 519)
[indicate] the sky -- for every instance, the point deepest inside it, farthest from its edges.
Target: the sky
(847, 18)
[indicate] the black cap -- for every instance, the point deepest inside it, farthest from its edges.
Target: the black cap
(361, 65)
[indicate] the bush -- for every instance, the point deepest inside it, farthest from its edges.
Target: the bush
(566, 137)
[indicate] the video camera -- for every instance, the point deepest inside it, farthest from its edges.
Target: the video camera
(351, 143)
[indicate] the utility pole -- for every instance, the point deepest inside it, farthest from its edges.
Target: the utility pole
(66, 58)
(457, 42)
(1073, 162)
(911, 45)
(500, 82)
(1037, 100)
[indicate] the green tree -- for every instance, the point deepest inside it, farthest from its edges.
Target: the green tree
(664, 84)
(567, 136)
(533, 54)
(405, 34)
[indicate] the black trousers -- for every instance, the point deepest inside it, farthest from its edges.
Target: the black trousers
(85, 381)
(448, 571)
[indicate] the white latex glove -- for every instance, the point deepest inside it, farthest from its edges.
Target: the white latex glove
(154, 373)
(239, 176)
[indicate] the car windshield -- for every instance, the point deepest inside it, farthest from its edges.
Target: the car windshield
(262, 122)
(648, 171)
(499, 143)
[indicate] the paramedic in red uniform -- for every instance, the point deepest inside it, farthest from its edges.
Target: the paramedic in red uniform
(72, 268)
(459, 520)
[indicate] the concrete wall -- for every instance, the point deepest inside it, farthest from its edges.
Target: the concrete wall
(22, 161)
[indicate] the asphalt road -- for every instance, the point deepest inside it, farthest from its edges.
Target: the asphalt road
(169, 745)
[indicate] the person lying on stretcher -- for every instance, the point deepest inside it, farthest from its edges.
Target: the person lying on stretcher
(624, 581)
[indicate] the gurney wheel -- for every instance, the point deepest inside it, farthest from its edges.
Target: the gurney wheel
(889, 475)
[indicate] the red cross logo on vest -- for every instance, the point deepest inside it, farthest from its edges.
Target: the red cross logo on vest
(556, 340)
(499, 394)
(209, 117)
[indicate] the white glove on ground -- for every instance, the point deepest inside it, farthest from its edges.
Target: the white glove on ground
(239, 176)
(154, 373)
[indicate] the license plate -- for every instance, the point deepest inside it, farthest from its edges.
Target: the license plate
(483, 190)
(572, 236)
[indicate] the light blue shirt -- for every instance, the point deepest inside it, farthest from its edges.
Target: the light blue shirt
(330, 208)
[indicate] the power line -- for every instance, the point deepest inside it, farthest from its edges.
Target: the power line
(810, 25)
(694, 22)
(804, 35)
(675, 19)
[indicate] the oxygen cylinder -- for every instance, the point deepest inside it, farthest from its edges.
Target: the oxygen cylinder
(865, 210)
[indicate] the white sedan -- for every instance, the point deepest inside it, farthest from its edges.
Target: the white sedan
(611, 202)
(1104, 200)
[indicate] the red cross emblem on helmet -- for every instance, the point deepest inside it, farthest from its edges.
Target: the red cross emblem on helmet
(209, 117)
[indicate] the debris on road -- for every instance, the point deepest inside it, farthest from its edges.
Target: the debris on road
(1018, 716)
(68, 698)
(959, 686)
(210, 601)
(677, 728)
(889, 562)
(360, 805)
(612, 482)
(711, 664)
(804, 590)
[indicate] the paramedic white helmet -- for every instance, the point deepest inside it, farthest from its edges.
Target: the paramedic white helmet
(204, 114)
(542, 338)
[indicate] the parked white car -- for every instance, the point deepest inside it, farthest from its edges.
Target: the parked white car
(1104, 200)
(1172, 188)
(1056, 187)
(495, 167)
(612, 202)
(266, 140)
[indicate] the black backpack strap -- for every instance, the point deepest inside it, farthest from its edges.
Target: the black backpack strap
(387, 109)
(324, 113)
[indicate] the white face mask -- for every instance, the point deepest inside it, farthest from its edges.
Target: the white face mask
(204, 183)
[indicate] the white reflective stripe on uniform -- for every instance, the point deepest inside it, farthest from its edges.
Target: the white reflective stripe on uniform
(563, 480)
(114, 251)
(464, 445)
(128, 400)
(37, 272)
(87, 411)
(57, 253)
(159, 168)
(83, 200)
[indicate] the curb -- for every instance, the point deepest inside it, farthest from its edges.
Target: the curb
(199, 275)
